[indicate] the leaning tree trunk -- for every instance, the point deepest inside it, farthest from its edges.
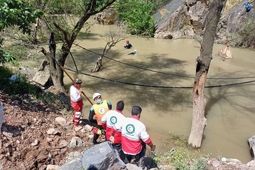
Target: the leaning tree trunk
(202, 68)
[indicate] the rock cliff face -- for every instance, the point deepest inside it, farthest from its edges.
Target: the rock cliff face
(108, 16)
(238, 27)
(186, 18)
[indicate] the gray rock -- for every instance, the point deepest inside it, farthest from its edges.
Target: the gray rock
(74, 164)
(63, 143)
(75, 142)
(108, 16)
(61, 121)
(237, 26)
(35, 143)
(101, 156)
(42, 77)
(251, 165)
(73, 155)
(53, 131)
(183, 19)
(251, 142)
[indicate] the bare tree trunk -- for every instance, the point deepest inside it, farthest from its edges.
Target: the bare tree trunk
(57, 73)
(99, 64)
(202, 68)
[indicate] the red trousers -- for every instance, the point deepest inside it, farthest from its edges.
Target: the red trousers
(77, 107)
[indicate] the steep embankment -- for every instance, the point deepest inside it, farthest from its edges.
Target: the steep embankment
(186, 18)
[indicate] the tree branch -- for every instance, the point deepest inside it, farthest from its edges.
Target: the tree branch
(102, 8)
(65, 33)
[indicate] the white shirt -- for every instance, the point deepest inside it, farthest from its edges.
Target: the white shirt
(113, 119)
(75, 94)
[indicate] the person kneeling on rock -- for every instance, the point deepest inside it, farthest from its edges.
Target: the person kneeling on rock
(135, 137)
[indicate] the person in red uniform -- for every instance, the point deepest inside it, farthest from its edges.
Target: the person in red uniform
(76, 101)
(112, 122)
(96, 113)
(135, 137)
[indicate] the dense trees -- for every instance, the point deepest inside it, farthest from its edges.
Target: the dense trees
(15, 13)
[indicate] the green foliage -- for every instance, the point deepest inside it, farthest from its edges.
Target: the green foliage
(18, 51)
(137, 15)
(199, 164)
(5, 56)
(182, 159)
(65, 6)
(19, 86)
(17, 12)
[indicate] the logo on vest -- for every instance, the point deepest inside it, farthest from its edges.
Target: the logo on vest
(101, 110)
(130, 129)
(113, 120)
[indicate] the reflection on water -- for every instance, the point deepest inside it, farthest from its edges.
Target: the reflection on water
(230, 109)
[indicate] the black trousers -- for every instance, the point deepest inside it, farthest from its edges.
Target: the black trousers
(134, 158)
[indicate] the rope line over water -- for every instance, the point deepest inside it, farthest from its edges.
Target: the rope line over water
(159, 86)
(155, 71)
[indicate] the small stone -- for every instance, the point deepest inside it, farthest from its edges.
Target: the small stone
(88, 128)
(63, 143)
(35, 143)
(75, 142)
(223, 159)
(53, 131)
(53, 167)
(61, 121)
(77, 128)
(10, 135)
(49, 139)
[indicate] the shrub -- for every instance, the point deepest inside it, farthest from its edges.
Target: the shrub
(137, 15)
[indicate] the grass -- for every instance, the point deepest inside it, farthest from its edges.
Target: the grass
(181, 156)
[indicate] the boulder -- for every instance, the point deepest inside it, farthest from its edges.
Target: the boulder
(186, 19)
(108, 16)
(41, 77)
(251, 142)
(101, 156)
(229, 163)
(74, 164)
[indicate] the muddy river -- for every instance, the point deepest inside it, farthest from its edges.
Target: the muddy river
(159, 77)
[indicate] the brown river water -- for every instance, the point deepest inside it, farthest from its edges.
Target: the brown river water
(167, 111)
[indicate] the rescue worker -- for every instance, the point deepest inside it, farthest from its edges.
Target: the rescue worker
(96, 113)
(112, 122)
(76, 101)
(128, 45)
(135, 137)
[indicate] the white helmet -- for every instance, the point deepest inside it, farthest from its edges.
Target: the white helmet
(95, 95)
